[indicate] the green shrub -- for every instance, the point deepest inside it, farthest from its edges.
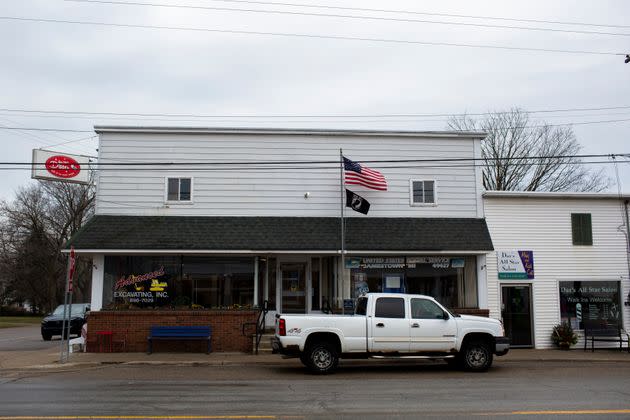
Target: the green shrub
(563, 335)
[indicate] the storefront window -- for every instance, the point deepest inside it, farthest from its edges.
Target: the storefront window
(450, 280)
(178, 281)
(595, 304)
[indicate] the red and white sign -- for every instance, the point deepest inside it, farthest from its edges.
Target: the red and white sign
(60, 166)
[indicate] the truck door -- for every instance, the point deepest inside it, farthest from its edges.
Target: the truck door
(429, 330)
(389, 326)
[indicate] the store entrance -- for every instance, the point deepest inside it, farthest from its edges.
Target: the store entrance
(516, 311)
(293, 280)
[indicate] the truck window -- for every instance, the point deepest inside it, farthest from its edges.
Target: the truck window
(425, 309)
(361, 308)
(390, 308)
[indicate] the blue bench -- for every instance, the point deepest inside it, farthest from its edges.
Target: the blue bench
(179, 333)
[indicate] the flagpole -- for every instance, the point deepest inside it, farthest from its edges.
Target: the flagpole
(340, 285)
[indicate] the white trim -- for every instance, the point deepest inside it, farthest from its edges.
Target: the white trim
(267, 251)
(179, 202)
(98, 279)
(478, 178)
(423, 204)
(482, 281)
(559, 195)
(289, 131)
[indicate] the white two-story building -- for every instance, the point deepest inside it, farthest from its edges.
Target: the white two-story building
(223, 219)
(560, 257)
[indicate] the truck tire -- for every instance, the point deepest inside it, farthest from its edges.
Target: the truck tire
(46, 336)
(476, 356)
(321, 358)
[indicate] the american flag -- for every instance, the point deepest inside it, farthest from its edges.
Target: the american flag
(358, 174)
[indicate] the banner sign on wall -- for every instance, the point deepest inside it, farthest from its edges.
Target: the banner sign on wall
(364, 263)
(515, 265)
(60, 166)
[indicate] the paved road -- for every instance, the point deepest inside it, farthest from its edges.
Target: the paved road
(358, 390)
(25, 338)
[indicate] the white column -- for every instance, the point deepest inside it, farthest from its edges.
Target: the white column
(482, 282)
(98, 278)
(255, 281)
(266, 285)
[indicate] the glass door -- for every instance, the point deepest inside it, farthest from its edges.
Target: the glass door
(516, 311)
(293, 277)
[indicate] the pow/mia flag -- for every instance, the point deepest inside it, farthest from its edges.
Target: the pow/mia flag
(356, 202)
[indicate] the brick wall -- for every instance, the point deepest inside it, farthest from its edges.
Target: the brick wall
(131, 329)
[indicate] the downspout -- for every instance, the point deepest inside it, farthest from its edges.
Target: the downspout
(627, 222)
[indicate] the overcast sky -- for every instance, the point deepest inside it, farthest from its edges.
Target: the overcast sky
(47, 66)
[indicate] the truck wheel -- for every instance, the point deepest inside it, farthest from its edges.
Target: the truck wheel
(46, 337)
(322, 358)
(476, 356)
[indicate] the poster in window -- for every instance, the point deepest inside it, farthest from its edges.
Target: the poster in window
(594, 304)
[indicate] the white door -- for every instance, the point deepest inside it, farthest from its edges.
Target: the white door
(390, 326)
(431, 328)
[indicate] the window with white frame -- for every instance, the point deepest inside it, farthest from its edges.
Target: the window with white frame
(179, 189)
(422, 192)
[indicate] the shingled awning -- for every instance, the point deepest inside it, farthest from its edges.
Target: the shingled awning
(269, 234)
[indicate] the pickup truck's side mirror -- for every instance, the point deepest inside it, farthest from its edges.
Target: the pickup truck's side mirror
(445, 316)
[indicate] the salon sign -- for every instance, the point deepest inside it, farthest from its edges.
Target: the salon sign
(515, 265)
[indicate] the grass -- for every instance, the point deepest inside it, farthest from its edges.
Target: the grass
(19, 321)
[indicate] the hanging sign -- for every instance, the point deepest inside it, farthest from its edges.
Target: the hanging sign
(60, 166)
(515, 265)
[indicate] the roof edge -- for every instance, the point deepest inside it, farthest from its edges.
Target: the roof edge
(99, 129)
(557, 195)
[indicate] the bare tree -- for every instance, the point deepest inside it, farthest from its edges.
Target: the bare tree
(530, 156)
(34, 228)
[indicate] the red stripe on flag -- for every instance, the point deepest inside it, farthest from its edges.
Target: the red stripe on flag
(351, 179)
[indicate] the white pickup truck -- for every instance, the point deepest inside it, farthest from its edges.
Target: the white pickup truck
(387, 325)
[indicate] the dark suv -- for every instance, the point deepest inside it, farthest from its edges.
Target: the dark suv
(52, 324)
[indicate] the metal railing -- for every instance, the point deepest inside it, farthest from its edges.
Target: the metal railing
(259, 324)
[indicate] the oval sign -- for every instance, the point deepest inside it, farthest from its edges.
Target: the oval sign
(63, 166)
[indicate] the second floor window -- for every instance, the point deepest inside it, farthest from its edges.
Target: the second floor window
(422, 192)
(179, 189)
(581, 229)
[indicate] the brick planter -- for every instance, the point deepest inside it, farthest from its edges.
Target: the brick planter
(131, 329)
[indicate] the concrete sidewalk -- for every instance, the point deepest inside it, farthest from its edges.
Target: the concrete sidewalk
(49, 359)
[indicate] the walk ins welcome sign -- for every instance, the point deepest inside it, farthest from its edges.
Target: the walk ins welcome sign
(515, 265)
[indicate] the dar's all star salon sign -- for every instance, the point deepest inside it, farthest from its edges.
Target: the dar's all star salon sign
(60, 166)
(515, 265)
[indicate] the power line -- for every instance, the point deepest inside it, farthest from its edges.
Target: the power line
(330, 168)
(374, 18)
(413, 12)
(311, 36)
(240, 164)
(511, 128)
(395, 115)
(319, 120)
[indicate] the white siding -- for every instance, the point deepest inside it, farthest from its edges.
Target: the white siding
(274, 192)
(544, 226)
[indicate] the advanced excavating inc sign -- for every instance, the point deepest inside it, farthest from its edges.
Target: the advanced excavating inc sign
(515, 264)
(60, 166)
